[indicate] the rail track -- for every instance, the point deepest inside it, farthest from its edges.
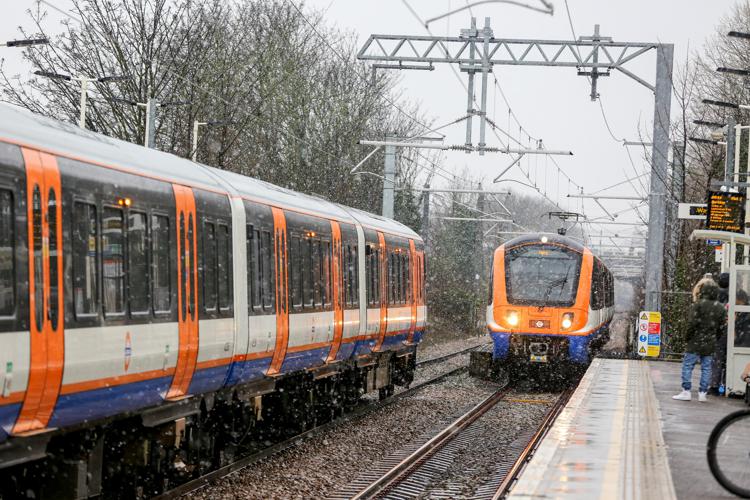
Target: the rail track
(412, 473)
(359, 412)
(438, 359)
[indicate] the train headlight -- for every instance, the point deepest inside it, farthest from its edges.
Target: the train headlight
(512, 318)
(567, 321)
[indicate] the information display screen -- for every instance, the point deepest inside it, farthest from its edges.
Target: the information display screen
(726, 212)
(696, 210)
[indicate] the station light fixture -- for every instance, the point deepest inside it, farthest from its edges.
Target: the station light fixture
(733, 71)
(53, 75)
(721, 104)
(701, 140)
(28, 42)
(709, 123)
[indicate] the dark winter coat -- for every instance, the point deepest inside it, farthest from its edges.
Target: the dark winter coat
(707, 320)
(723, 283)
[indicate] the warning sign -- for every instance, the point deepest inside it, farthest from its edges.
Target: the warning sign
(649, 333)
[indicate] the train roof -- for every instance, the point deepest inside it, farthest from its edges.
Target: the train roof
(25, 128)
(550, 238)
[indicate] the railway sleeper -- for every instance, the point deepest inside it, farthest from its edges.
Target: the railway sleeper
(145, 454)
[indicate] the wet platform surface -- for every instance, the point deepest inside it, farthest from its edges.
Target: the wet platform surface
(623, 436)
(686, 426)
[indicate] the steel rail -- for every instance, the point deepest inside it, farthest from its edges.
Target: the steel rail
(438, 359)
(204, 480)
(401, 470)
(533, 444)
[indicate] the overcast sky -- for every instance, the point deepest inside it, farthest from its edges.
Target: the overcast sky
(551, 103)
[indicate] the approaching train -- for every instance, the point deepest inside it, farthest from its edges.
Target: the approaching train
(551, 300)
(158, 316)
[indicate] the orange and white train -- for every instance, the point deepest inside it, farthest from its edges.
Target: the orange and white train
(144, 295)
(551, 300)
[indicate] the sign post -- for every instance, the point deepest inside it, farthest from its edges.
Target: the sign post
(649, 333)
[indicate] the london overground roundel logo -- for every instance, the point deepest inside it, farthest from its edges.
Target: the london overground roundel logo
(128, 350)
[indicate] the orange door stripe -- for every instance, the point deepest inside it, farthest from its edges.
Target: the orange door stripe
(413, 271)
(54, 334)
(47, 344)
(338, 287)
(187, 353)
(282, 311)
(383, 292)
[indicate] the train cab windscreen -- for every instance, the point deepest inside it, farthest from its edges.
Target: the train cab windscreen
(542, 275)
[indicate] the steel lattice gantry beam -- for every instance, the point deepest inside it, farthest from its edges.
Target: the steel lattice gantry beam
(477, 51)
(472, 52)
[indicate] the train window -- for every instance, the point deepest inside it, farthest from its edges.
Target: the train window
(267, 272)
(395, 279)
(377, 272)
(404, 279)
(160, 264)
(317, 280)
(373, 275)
(225, 267)
(36, 208)
(596, 287)
(183, 269)
(368, 274)
(295, 270)
(407, 278)
(542, 275)
(325, 273)
(354, 275)
(54, 304)
(137, 263)
(253, 267)
(190, 266)
(392, 278)
(307, 273)
(85, 250)
(113, 261)
(7, 254)
(349, 275)
(209, 267)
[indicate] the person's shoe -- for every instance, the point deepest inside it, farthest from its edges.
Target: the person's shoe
(702, 397)
(683, 396)
(713, 391)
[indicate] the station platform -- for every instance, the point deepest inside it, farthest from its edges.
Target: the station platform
(621, 435)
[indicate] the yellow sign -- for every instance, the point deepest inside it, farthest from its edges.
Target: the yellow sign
(649, 333)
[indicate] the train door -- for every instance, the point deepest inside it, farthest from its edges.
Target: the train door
(46, 313)
(187, 288)
(338, 282)
(383, 292)
(280, 252)
(414, 282)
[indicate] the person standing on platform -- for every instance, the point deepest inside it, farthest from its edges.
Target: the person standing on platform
(706, 320)
(720, 355)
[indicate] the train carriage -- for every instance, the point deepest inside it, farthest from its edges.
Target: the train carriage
(139, 287)
(551, 301)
